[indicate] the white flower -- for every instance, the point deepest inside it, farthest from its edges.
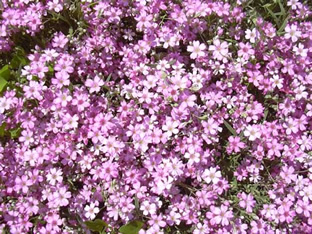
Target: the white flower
(4, 104)
(277, 81)
(171, 127)
(291, 32)
(251, 35)
(54, 176)
(196, 49)
(193, 157)
(91, 211)
(211, 175)
(293, 3)
(252, 133)
(300, 50)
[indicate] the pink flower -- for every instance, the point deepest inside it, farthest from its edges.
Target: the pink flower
(193, 157)
(235, 145)
(303, 207)
(55, 176)
(70, 121)
(61, 197)
(220, 50)
(286, 214)
(62, 79)
(211, 175)
(245, 51)
(91, 211)
(300, 50)
(22, 183)
(5, 104)
(171, 127)
(252, 132)
(277, 81)
(196, 49)
(292, 32)
(221, 215)
(63, 99)
(246, 201)
(157, 221)
(95, 84)
(252, 35)
(291, 126)
(148, 208)
(55, 5)
(294, 4)
(287, 174)
(60, 40)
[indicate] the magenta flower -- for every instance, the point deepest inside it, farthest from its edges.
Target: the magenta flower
(235, 145)
(22, 183)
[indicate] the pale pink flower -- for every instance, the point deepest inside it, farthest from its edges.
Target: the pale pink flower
(220, 49)
(292, 32)
(252, 35)
(300, 50)
(95, 84)
(148, 208)
(171, 127)
(252, 133)
(221, 215)
(91, 211)
(196, 49)
(54, 176)
(211, 175)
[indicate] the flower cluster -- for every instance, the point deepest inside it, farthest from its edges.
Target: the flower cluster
(186, 115)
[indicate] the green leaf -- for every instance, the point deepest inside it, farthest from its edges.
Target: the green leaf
(19, 59)
(51, 69)
(132, 227)
(97, 225)
(266, 112)
(281, 7)
(281, 29)
(229, 127)
(5, 72)
(15, 133)
(2, 129)
(70, 31)
(109, 77)
(3, 83)
(136, 203)
(4, 76)
(172, 61)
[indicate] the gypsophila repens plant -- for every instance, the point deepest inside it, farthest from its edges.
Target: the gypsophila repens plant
(156, 116)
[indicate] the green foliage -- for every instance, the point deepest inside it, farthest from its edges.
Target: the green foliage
(19, 59)
(97, 225)
(15, 133)
(229, 127)
(2, 130)
(132, 227)
(4, 76)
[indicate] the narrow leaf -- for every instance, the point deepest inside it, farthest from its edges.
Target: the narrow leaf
(266, 114)
(229, 127)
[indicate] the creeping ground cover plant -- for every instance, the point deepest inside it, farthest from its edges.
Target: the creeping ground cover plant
(155, 116)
